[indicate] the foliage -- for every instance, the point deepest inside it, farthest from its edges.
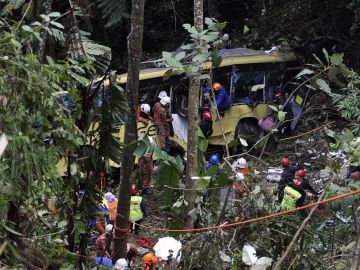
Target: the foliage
(40, 132)
(113, 11)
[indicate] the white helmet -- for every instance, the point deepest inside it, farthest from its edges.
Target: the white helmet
(145, 108)
(165, 100)
(241, 163)
(121, 264)
(239, 176)
(108, 228)
(162, 94)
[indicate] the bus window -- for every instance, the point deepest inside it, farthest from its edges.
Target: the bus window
(248, 87)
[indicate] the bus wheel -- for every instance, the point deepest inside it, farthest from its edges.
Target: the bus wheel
(249, 130)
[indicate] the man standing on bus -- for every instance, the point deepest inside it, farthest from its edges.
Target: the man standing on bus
(162, 120)
(223, 100)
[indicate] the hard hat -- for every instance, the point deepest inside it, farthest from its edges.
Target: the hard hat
(145, 108)
(165, 100)
(225, 37)
(285, 162)
(278, 94)
(121, 264)
(300, 173)
(109, 196)
(149, 259)
(207, 116)
(133, 190)
(240, 176)
(217, 86)
(162, 94)
(297, 182)
(241, 163)
(108, 228)
(214, 159)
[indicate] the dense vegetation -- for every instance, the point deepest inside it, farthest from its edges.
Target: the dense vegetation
(52, 46)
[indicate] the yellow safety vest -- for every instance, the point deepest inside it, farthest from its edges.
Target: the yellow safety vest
(135, 209)
(291, 195)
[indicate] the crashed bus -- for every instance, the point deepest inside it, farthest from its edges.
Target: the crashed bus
(251, 78)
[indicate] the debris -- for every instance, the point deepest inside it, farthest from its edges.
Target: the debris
(274, 174)
(224, 257)
(249, 258)
(3, 143)
(167, 248)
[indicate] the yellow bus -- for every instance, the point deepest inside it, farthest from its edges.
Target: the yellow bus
(249, 76)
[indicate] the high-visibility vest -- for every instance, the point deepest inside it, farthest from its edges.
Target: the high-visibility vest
(291, 195)
(135, 209)
(112, 207)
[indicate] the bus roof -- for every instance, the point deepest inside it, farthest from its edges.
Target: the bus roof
(236, 56)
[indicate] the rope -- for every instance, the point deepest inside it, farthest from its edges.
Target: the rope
(310, 131)
(253, 220)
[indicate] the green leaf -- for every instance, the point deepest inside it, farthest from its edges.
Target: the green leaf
(166, 55)
(323, 86)
(58, 25)
(11, 230)
(336, 59)
(246, 29)
(281, 116)
(243, 141)
(27, 28)
(304, 72)
(200, 57)
(180, 56)
(215, 58)
(203, 182)
(140, 150)
(274, 108)
(54, 14)
(326, 55)
(62, 224)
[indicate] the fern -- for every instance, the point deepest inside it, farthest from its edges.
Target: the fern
(112, 11)
(10, 6)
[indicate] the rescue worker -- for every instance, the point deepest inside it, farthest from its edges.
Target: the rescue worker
(305, 182)
(161, 119)
(137, 210)
(150, 261)
(287, 176)
(111, 205)
(143, 113)
(146, 168)
(214, 159)
(206, 124)
(104, 245)
(294, 195)
(240, 165)
(103, 263)
(223, 100)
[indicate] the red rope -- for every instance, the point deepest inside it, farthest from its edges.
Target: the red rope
(253, 220)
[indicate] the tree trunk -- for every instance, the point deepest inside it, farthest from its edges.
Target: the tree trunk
(135, 50)
(192, 147)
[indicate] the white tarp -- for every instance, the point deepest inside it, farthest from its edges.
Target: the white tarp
(180, 125)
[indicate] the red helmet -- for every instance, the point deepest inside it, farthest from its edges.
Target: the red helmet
(217, 86)
(285, 162)
(300, 173)
(297, 182)
(207, 116)
(133, 190)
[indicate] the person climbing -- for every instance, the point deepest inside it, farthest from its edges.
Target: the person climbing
(287, 176)
(295, 192)
(223, 100)
(103, 244)
(206, 124)
(111, 205)
(214, 160)
(137, 210)
(146, 168)
(240, 165)
(143, 113)
(162, 120)
(150, 261)
(294, 195)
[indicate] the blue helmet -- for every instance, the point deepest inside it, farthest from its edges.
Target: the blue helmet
(214, 159)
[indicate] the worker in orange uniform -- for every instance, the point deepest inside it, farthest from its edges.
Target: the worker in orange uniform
(241, 168)
(143, 113)
(162, 119)
(111, 205)
(150, 261)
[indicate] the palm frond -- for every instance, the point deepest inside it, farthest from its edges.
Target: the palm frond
(112, 11)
